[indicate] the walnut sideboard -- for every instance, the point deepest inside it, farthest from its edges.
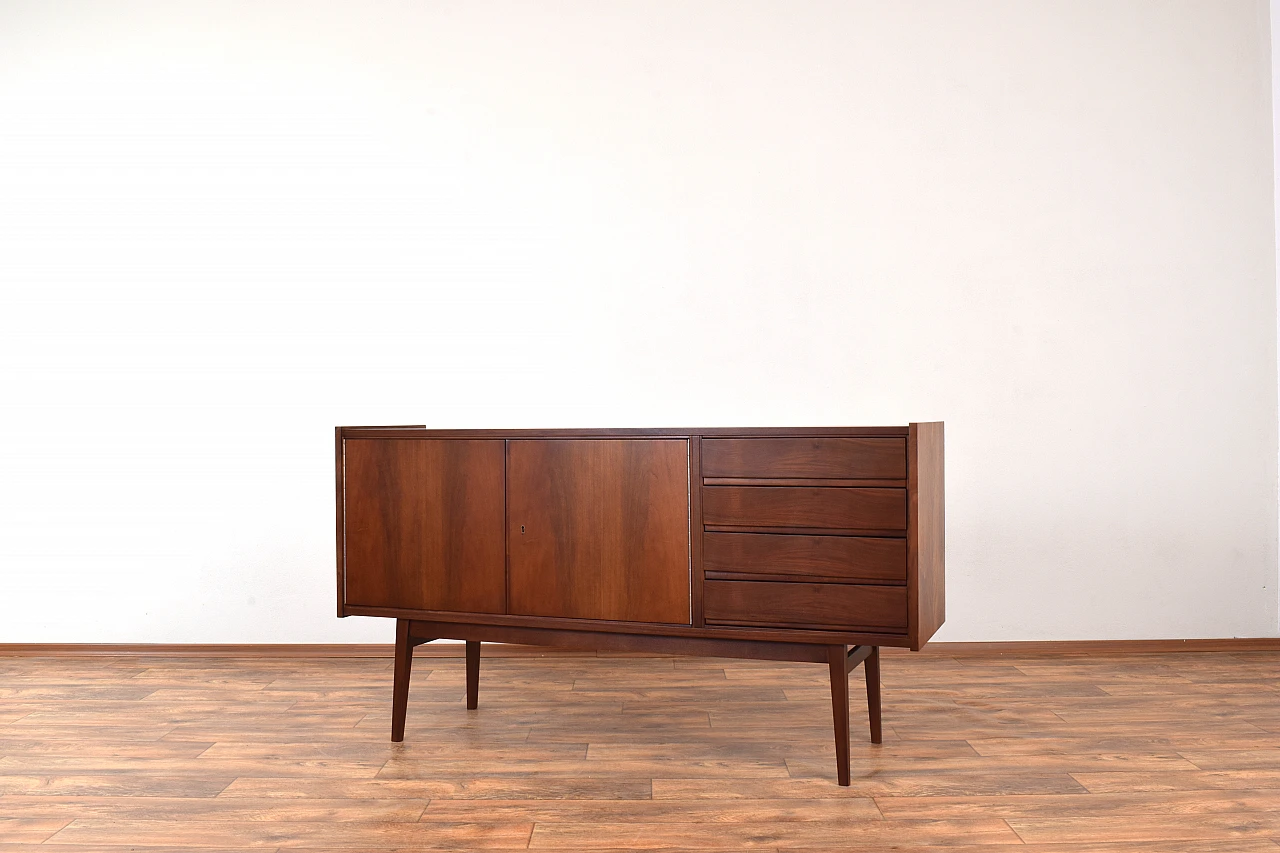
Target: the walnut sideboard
(777, 544)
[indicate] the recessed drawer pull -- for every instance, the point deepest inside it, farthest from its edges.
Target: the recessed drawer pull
(789, 506)
(856, 558)
(836, 607)
(824, 458)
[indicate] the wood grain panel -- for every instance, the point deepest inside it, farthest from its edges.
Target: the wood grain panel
(927, 507)
(847, 458)
(424, 524)
(600, 529)
(788, 506)
(848, 557)
(805, 605)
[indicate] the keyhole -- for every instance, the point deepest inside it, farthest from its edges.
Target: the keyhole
(522, 529)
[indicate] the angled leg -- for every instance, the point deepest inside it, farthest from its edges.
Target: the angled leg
(840, 709)
(473, 674)
(870, 657)
(400, 681)
(872, 667)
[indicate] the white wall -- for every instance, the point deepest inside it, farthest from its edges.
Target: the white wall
(227, 226)
(1275, 141)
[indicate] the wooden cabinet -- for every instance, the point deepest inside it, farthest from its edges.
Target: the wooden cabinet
(787, 544)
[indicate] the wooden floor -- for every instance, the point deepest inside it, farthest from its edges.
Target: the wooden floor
(1144, 752)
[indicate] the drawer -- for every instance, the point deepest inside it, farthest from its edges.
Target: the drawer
(853, 558)
(806, 458)
(804, 507)
(825, 606)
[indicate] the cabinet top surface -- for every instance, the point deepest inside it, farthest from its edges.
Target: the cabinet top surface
(647, 432)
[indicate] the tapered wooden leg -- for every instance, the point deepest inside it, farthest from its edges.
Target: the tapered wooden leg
(872, 671)
(400, 681)
(836, 656)
(473, 674)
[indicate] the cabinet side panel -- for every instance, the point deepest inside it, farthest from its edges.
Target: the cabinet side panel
(599, 529)
(424, 524)
(338, 465)
(928, 541)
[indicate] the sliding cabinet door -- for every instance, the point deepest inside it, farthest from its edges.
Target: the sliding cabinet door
(599, 529)
(424, 524)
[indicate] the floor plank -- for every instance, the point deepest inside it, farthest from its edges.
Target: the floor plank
(30, 829)
(1160, 753)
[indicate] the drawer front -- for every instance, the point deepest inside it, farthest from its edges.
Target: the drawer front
(854, 558)
(825, 606)
(803, 507)
(806, 458)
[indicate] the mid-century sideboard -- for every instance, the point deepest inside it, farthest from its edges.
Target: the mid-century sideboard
(777, 544)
